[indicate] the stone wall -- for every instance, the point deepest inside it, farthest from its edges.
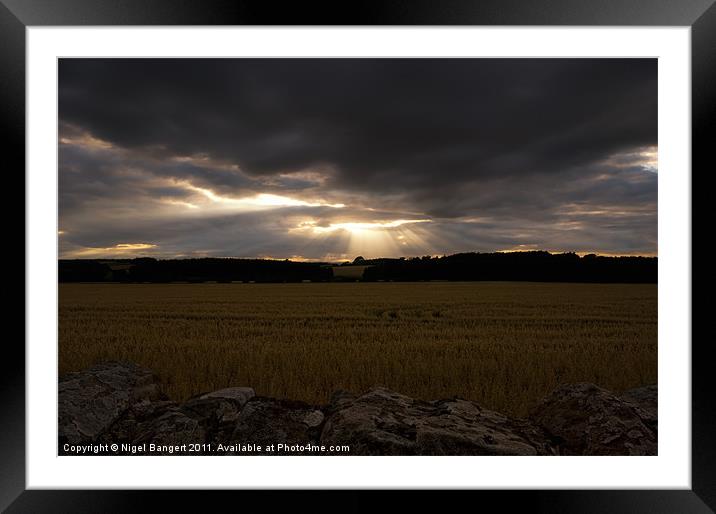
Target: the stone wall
(122, 404)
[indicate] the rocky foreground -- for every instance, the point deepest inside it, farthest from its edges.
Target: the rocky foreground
(118, 408)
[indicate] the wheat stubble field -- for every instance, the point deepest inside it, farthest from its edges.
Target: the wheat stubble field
(502, 344)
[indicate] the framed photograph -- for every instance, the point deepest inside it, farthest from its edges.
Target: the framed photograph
(418, 248)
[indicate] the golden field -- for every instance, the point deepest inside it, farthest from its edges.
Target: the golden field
(502, 344)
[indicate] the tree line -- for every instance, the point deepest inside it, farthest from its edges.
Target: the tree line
(538, 266)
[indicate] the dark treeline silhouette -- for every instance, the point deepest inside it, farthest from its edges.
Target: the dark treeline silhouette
(527, 266)
(535, 266)
(191, 270)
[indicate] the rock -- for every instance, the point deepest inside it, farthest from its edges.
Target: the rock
(238, 395)
(203, 418)
(265, 421)
(219, 410)
(587, 420)
(173, 428)
(134, 421)
(338, 400)
(463, 428)
(313, 419)
(91, 401)
(645, 398)
(382, 422)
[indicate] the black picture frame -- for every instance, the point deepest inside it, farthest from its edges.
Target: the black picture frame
(700, 15)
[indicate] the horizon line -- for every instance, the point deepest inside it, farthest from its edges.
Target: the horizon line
(299, 259)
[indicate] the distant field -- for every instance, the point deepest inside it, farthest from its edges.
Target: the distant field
(502, 344)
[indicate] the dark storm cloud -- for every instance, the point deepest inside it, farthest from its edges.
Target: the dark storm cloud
(381, 119)
(525, 143)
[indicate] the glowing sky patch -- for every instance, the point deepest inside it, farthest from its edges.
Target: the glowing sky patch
(356, 227)
(131, 247)
(260, 200)
(119, 249)
(650, 158)
(646, 157)
(188, 205)
(369, 238)
(87, 141)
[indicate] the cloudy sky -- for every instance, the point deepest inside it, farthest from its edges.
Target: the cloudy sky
(333, 158)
